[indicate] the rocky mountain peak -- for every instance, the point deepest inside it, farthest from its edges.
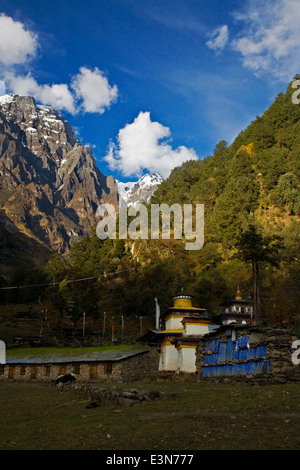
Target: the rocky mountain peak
(50, 183)
(42, 131)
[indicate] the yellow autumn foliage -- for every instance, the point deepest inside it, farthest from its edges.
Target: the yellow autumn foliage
(248, 148)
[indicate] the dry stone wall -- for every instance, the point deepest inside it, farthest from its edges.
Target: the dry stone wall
(104, 396)
(247, 353)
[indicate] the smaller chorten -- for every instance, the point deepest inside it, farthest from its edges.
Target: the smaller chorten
(236, 310)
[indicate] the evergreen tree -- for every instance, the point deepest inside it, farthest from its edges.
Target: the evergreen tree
(257, 249)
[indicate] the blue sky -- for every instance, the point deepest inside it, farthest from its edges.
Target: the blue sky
(149, 84)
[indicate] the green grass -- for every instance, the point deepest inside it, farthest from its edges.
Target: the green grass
(203, 416)
(76, 351)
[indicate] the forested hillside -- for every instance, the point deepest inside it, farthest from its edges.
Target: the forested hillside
(255, 181)
(257, 175)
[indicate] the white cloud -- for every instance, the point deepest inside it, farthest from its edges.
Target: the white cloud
(219, 38)
(92, 87)
(57, 95)
(17, 44)
(269, 40)
(92, 92)
(142, 145)
(2, 87)
(89, 91)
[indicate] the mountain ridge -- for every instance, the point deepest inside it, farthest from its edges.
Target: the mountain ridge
(50, 183)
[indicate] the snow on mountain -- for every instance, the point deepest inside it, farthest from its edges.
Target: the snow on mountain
(124, 189)
(6, 99)
(134, 193)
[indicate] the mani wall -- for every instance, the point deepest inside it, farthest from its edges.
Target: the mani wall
(244, 353)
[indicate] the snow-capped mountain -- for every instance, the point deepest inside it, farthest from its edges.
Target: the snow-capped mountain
(134, 193)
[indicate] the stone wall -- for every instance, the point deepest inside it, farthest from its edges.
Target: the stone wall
(136, 367)
(247, 353)
(140, 366)
(103, 396)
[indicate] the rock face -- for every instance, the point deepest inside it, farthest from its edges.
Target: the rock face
(135, 193)
(50, 184)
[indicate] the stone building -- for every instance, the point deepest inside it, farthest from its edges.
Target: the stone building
(124, 367)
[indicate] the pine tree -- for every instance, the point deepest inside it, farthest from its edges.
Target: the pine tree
(257, 249)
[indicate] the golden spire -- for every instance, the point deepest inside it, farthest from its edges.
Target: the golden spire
(238, 295)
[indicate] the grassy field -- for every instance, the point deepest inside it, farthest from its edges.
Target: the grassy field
(201, 417)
